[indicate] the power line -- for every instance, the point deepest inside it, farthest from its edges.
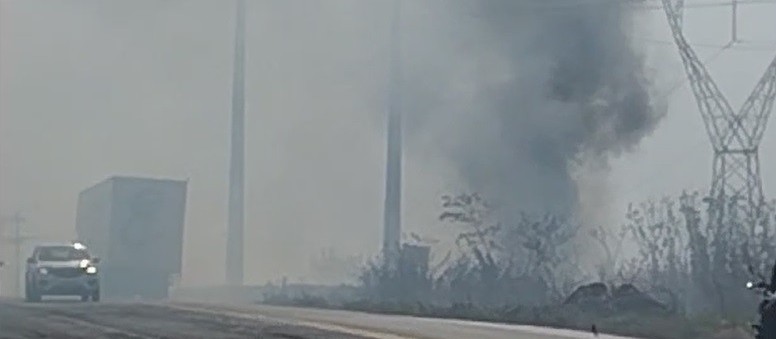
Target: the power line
(680, 83)
(719, 50)
(634, 4)
(740, 45)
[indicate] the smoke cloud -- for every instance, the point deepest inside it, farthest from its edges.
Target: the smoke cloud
(502, 93)
(539, 89)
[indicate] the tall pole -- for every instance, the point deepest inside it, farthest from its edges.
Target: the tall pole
(2, 263)
(734, 29)
(17, 220)
(17, 240)
(392, 206)
(236, 217)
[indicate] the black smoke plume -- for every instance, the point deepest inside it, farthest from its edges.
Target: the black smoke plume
(564, 84)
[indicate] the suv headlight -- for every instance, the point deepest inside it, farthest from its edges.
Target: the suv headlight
(91, 270)
(43, 271)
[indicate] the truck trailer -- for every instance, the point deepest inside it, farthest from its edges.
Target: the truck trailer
(135, 225)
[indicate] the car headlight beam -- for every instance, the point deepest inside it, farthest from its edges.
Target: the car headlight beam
(91, 270)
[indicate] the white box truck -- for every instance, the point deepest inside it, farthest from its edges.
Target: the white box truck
(135, 225)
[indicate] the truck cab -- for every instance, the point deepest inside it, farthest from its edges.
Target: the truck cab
(61, 270)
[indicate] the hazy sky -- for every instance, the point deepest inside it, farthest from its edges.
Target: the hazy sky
(94, 88)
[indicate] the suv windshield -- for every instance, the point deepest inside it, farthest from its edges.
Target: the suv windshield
(63, 253)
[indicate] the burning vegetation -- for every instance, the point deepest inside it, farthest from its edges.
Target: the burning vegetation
(563, 89)
(686, 267)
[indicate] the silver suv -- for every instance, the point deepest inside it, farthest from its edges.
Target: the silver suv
(61, 270)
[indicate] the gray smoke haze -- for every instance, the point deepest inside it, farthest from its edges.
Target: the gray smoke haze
(560, 89)
(497, 99)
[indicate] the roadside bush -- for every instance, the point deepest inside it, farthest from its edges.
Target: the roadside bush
(692, 257)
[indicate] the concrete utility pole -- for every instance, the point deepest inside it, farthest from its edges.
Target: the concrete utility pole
(2, 263)
(236, 217)
(393, 173)
(17, 240)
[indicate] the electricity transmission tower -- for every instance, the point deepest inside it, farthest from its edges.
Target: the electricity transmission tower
(735, 136)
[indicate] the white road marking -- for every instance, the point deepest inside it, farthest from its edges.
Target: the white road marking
(304, 323)
(388, 326)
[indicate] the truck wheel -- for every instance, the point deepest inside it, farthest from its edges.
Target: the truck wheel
(96, 296)
(27, 292)
(31, 295)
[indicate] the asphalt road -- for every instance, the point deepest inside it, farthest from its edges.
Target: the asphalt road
(131, 320)
(392, 327)
(189, 320)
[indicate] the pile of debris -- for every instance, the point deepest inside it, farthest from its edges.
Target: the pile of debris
(626, 298)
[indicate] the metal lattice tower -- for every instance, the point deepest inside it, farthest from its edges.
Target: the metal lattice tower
(735, 136)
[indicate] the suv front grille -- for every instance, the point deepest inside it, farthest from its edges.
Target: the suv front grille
(66, 272)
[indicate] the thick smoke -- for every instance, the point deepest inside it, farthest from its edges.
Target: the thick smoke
(501, 92)
(553, 88)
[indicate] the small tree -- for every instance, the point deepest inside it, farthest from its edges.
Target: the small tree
(612, 244)
(503, 256)
(699, 259)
